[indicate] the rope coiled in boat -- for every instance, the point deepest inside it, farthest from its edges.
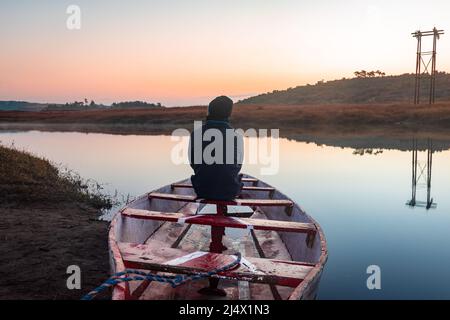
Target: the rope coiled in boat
(174, 281)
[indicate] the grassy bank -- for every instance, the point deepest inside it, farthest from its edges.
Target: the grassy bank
(48, 221)
(313, 123)
(292, 117)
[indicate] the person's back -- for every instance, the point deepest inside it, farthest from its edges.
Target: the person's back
(216, 176)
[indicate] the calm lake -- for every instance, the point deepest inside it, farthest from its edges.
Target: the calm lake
(359, 200)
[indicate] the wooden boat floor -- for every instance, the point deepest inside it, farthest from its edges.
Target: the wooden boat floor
(198, 238)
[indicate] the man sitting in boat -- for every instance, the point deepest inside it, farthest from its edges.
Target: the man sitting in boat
(217, 178)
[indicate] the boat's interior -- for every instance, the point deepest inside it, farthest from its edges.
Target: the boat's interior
(170, 231)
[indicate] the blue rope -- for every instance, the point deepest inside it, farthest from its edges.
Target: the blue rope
(174, 281)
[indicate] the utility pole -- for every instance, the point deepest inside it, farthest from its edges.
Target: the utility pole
(429, 65)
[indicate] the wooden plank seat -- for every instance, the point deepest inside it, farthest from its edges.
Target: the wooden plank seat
(252, 180)
(222, 221)
(247, 188)
(235, 202)
(164, 259)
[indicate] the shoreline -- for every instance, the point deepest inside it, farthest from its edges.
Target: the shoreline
(357, 126)
(376, 138)
(47, 224)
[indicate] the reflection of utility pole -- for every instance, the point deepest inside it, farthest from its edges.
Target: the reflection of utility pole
(429, 166)
(418, 174)
(414, 174)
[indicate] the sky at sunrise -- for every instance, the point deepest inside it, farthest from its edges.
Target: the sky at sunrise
(187, 52)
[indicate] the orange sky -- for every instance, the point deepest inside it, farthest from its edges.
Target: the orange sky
(180, 54)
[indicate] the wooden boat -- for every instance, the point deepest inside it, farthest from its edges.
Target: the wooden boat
(170, 231)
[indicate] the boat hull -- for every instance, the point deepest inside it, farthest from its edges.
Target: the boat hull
(139, 231)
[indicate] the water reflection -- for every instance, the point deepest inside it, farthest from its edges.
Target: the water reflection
(367, 151)
(421, 175)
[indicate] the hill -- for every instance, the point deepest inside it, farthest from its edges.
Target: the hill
(21, 106)
(381, 89)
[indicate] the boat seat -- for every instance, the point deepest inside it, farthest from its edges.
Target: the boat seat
(235, 202)
(164, 259)
(252, 180)
(222, 221)
(247, 188)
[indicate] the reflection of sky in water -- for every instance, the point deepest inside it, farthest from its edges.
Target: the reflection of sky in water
(358, 200)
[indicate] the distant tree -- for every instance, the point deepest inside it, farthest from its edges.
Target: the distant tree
(369, 74)
(361, 74)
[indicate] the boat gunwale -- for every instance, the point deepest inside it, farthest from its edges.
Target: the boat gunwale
(122, 291)
(298, 292)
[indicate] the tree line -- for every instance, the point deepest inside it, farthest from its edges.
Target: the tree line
(92, 105)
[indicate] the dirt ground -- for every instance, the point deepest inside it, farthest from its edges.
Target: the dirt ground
(37, 244)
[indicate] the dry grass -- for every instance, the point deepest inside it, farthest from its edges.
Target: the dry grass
(345, 116)
(26, 179)
(292, 118)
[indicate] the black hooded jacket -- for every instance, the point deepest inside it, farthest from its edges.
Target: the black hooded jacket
(218, 180)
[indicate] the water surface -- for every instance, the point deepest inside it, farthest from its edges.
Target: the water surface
(358, 200)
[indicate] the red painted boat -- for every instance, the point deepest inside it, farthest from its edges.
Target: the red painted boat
(170, 231)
